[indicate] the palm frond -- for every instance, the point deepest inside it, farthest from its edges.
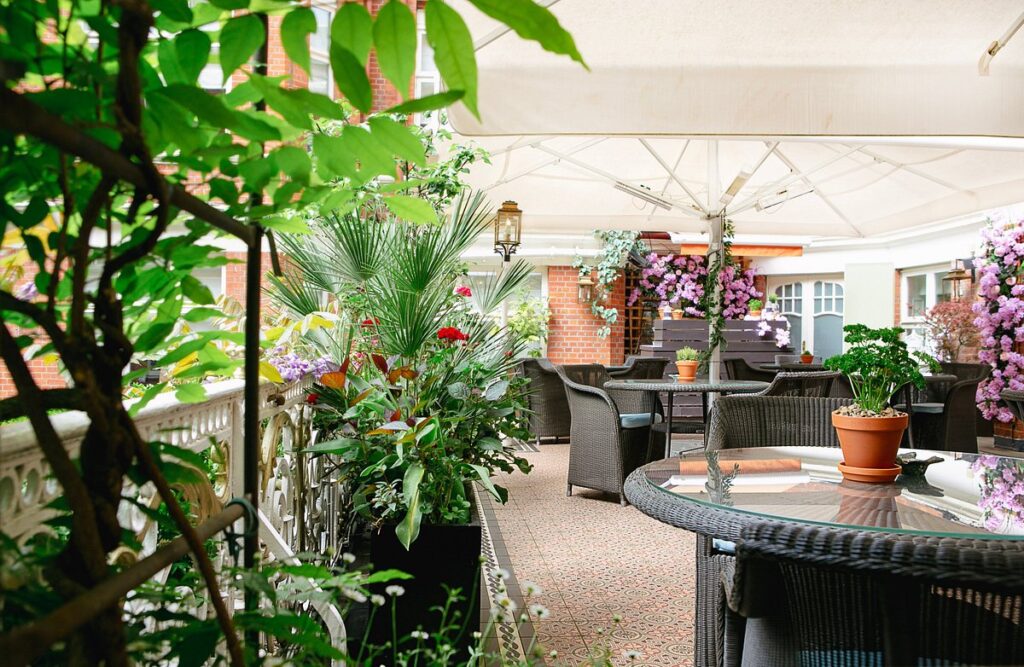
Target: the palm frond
(358, 248)
(488, 295)
(305, 253)
(294, 295)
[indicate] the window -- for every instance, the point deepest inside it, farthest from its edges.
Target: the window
(917, 295)
(320, 80)
(428, 80)
(828, 298)
(828, 318)
(921, 290)
(791, 304)
(943, 288)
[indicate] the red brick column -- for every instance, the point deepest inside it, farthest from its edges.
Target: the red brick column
(573, 335)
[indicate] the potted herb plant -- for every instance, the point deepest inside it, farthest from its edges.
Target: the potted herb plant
(877, 365)
(686, 364)
(754, 306)
(806, 356)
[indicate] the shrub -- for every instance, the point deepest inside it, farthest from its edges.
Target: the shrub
(951, 327)
(687, 354)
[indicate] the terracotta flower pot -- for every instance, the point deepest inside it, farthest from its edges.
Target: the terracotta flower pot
(687, 370)
(806, 358)
(870, 443)
(677, 314)
(755, 313)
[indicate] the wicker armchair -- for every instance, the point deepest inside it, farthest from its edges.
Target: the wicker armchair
(822, 596)
(640, 368)
(950, 424)
(739, 369)
(810, 384)
(606, 442)
(1015, 401)
(548, 406)
(969, 372)
(773, 421)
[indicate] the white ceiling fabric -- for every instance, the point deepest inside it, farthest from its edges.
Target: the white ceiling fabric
(874, 111)
(752, 68)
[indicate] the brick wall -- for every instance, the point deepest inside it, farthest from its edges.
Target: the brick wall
(47, 374)
(573, 335)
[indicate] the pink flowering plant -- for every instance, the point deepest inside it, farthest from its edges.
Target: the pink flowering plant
(1000, 315)
(680, 282)
(1001, 482)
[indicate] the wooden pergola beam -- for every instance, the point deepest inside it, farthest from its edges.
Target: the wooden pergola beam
(746, 250)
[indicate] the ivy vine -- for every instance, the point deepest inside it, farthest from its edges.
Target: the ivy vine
(712, 303)
(616, 245)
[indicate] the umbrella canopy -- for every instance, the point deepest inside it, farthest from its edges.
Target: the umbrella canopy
(796, 118)
(742, 68)
(794, 190)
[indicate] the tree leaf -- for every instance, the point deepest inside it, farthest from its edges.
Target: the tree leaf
(192, 48)
(350, 75)
(412, 209)
(374, 158)
(153, 336)
(485, 478)
(176, 10)
(270, 372)
(196, 291)
(294, 162)
(151, 392)
(496, 390)
(428, 103)
(190, 393)
(352, 30)
(394, 37)
(333, 158)
(399, 139)
(239, 39)
(288, 225)
(532, 22)
(295, 30)
(408, 529)
(453, 51)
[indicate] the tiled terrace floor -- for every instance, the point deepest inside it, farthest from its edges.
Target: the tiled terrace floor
(594, 559)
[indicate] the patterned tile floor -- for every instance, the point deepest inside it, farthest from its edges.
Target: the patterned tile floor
(594, 559)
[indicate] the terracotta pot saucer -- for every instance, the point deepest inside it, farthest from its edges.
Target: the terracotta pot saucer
(870, 475)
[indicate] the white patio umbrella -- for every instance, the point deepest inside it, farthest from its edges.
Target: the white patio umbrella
(795, 119)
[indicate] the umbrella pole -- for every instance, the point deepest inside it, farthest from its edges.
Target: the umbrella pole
(715, 226)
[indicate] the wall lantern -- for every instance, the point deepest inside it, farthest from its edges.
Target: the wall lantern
(508, 229)
(585, 289)
(959, 274)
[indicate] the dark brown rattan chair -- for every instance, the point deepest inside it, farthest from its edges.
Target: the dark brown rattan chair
(964, 371)
(811, 384)
(1015, 401)
(947, 419)
(546, 401)
(739, 369)
(640, 368)
(816, 596)
(608, 440)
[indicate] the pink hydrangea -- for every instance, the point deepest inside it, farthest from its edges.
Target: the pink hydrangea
(1000, 315)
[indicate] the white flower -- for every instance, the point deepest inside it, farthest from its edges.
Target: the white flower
(600, 632)
(505, 602)
(616, 618)
(530, 588)
(501, 574)
(477, 635)
(553, 653)
(377, 600)
(395, 591)
(419, 634)
(539, 610)
(348, 557)
(353, 594)
(631, 655)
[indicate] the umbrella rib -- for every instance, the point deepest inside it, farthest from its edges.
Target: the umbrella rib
(498, 33)
(751, 201)
(668, 179)
(547, 163)
(817, 191)
(909, 169)
(672, 174)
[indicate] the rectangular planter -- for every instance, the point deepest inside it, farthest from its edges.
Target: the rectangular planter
(441, 558)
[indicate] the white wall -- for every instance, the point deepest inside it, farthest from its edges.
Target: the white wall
(870, 294)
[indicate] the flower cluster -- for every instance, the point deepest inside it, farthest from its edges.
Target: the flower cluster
(782, 339)
(1000, 315)
(292, 367)
(463, 290)
(1001, 481)
(451, 334)
(679, 280)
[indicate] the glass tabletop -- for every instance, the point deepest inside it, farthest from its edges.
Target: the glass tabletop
(700, 385)
(963, 495)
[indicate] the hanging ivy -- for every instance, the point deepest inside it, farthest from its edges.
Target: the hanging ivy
(711, 301)
(616, 245)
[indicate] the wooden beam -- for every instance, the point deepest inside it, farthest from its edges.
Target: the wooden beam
(746, 250)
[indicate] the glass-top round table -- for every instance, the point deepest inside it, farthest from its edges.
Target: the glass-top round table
(963, 495)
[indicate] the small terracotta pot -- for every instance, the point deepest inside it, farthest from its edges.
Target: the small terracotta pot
(755, 313)
(806, 358)
(869, 442)
(687, 370)
(677, 314)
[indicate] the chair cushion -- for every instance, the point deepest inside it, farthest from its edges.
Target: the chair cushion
(929, 408)
(637, 419)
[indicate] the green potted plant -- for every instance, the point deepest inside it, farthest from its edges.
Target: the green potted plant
(755, 306)
(806, 356)
(877, 365)
(686, 364)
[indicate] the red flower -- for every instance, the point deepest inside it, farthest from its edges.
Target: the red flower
(451, 334)
(463, 290)
(371, 322)
(312, 398)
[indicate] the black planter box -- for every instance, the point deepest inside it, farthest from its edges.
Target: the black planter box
(441, 558)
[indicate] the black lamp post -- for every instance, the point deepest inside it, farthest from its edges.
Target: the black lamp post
(508, 229)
